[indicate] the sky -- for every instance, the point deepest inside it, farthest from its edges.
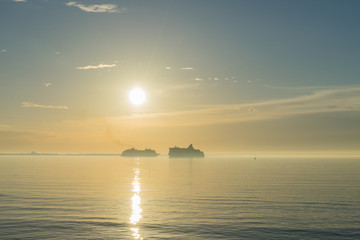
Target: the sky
(235, 76)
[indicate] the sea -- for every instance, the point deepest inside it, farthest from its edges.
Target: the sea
(216, 197)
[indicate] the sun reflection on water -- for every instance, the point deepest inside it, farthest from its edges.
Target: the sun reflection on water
(135, 205)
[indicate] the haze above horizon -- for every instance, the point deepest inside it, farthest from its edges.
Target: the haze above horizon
(246, 77)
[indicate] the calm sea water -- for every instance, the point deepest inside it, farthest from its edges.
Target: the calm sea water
(53, 197)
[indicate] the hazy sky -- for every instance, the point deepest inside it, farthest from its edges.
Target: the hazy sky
(229, 76)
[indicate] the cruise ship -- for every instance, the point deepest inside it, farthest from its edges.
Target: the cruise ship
(189, 152)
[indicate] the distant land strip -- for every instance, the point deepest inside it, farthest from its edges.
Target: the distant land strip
(60, 154)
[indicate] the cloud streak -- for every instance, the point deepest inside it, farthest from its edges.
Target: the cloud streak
(4, 126)
(34, 105)
(96, 66)
(97, 8)
(335, 100)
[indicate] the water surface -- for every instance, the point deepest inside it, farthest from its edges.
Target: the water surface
(98, 197)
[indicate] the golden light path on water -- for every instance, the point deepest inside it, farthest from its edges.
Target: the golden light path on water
(136, 204)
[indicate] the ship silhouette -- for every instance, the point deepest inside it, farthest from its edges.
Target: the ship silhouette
(132, 152)
(189, 152)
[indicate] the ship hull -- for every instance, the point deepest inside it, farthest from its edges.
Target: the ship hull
(139, 153)
(189, 152)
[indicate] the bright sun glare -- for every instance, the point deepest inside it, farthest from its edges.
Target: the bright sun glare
(137, 96)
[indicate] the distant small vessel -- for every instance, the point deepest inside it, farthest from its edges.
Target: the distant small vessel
(190, 151)
(132, 152)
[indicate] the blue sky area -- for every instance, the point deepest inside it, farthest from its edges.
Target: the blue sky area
(216, 74)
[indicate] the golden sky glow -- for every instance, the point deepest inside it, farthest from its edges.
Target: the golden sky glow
(231, 78)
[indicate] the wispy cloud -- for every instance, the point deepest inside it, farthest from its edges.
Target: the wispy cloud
(15, 137)
(34, 105)
(4, 126)
(19, 0)
(2, 50)
(47, 84)
(334, 100)
(96, 66)
(184, 86)
(98, 8)
(187, 68)
(301, 88)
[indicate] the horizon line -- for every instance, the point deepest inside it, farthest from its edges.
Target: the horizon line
(263, 154)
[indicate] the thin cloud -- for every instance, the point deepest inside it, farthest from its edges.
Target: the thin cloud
(301, 88)
(19, 0)
(98, 8)
(96, 66)
(34, 105)
(3, 50)
(344, 99)
(15, 135)
(187, 68)
(47, 84)
(184, 86)
(4, 126)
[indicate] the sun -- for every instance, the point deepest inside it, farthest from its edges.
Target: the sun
(137, 96)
